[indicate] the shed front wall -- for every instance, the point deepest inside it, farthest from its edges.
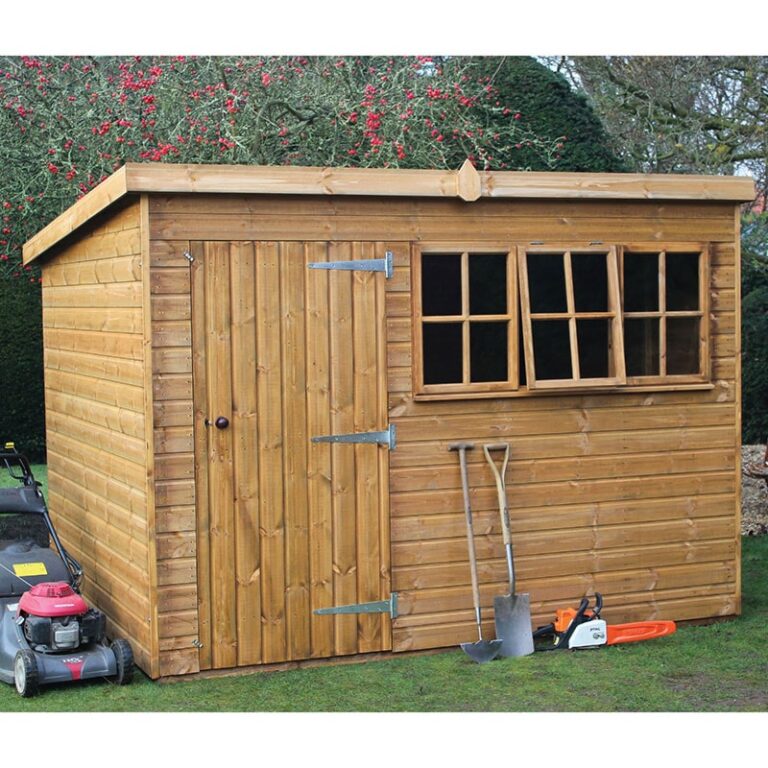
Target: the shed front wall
(634, 494)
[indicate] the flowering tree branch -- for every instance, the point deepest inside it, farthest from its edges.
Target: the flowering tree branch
(68, 122)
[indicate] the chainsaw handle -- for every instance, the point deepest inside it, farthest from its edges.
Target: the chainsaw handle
(598, 605)
(583, 605)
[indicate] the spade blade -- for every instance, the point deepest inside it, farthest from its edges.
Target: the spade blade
(482, 650)
(512, 616)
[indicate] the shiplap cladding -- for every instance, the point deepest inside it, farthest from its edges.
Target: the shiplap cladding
(633, 492)
(630, 493)
(93, 337)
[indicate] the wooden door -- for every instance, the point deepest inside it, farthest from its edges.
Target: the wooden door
(286, 525)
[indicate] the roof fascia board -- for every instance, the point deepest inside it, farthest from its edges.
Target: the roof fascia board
(98, 199)
(466, 184)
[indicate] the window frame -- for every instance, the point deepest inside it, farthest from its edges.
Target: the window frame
(613, 314)
(704, 251)
(465, 387)
(519, 349)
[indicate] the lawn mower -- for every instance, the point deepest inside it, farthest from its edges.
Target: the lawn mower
(583, 628)
(48, 634)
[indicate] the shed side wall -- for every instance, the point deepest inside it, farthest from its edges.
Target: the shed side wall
(633, 494)
(94, 397)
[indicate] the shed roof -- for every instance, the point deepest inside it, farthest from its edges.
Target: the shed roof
(466, 184)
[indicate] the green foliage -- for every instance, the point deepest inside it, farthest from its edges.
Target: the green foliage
(67, 122)
(22, 418)
(555, 112)
(754, 324)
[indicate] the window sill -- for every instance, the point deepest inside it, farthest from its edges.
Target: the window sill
(524, 392)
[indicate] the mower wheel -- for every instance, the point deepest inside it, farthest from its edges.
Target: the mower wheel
(25, 674)
(124, 658)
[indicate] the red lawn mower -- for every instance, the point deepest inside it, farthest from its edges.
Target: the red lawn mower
(48, 634)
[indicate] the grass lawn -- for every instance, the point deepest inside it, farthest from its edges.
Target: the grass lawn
(718, 668)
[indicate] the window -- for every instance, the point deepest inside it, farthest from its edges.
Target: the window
(665, 301)
(589, 316)
(466, 324)
(569, 303)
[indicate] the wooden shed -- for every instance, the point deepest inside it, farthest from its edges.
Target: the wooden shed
(202, 328)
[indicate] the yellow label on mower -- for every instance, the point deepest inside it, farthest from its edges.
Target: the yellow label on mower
(30, 569)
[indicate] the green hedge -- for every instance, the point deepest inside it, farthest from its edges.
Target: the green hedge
(22, 415)
(754, 325)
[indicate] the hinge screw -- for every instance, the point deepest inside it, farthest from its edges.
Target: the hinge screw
(189, 257)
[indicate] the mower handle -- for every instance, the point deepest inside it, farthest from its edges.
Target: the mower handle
(10, 458)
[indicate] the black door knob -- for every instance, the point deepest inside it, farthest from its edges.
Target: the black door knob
(222, 422)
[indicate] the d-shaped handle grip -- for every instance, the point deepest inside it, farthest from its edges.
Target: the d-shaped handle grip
(222, 422)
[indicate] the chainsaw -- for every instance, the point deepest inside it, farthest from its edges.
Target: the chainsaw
(583, 628)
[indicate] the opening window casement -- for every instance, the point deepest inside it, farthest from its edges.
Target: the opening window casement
(466, 335)
(665, 301)
(571, 317)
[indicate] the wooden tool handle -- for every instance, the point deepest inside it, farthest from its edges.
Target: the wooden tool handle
(462, 448)
(500, 489)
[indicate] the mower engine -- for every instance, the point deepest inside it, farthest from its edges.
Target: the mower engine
(55, 618)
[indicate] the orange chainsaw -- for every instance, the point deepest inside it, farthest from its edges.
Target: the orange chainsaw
(583, 628)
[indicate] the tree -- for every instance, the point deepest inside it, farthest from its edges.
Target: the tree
(684, 114)
(698, 115)
(67, 123)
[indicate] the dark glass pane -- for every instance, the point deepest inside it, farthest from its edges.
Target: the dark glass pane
(590, 282)
(546, 282)
(488, 352)
(442, 353)
(593, 336)
(682, 281)
(488, 284)
(641, 346)
(682, 345)
(552, 349)
(440, 284)
(641, 282)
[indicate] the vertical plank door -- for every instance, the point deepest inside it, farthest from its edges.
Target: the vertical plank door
(286, 525)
